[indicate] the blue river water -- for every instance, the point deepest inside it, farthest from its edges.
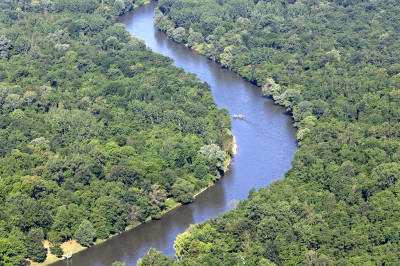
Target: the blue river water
(265, 138)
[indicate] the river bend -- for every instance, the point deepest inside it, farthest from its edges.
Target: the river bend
(265, 138)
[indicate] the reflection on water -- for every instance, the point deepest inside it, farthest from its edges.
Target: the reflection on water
(265, 138)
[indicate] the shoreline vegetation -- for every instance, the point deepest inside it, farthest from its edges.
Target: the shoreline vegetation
(73, 247)
(73, 162)
(333, 66)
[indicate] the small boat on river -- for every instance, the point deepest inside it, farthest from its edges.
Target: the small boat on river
(238, 116)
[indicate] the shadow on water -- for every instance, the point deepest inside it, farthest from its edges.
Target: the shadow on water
(265, 138)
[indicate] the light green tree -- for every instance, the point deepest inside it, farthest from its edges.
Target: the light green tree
(85, 234)
(178, 34)
(214, 152)
(154, 258)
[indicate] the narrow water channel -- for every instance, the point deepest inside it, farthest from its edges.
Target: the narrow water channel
(265, 138)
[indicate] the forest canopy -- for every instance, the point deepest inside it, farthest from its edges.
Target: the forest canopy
(97, 132)
(334, 65)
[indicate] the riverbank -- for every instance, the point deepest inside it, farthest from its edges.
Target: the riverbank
(261, 144)
(73, 247)
(140, 3)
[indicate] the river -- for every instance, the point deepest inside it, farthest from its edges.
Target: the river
(265, 139)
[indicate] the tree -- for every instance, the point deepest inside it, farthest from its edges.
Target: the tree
(386, 174)
(135, 214)
(302, 111)
(182, 191)
(157, 198)
(119, 5)
(12, 101)
(118, 263)
(85, 234)
(227, 57)
(57, 250)
(214, 153)
(5, 47)
(178, 34)
(22, 45)
(46, 5)
(181, 240)
(195, 38)
(112, 43)
(13, 250)
(34, 243)
(154, 258)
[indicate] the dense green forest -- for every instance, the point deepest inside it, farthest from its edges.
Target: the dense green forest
(96, 132)
(334, 64)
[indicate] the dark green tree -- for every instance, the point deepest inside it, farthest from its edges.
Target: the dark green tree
(182, 191)
(5, 47)
(34, 244)
(57, 250)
